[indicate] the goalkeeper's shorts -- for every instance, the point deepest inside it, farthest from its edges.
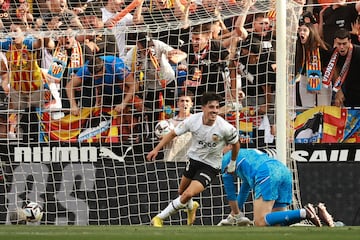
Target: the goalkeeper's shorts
(274, 182)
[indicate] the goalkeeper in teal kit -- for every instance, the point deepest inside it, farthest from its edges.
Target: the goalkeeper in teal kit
(271, 183)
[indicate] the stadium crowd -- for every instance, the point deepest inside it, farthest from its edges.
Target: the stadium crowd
(125, 60)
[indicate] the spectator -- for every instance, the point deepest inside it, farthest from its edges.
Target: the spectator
(111, 81)
(220, 31)
(238, 34)
(205, 155)
(206, 63)
(337, 15)
(101, 44)
(176, 150)
(68, 56)
(315, 6)
(271, 183)
(262, 31)
(60, 17)
(342, 71)
(110, 9)
(308, 65)
(153, 57)
(23, 13)
(39, 8)
(257, 82)
(25, 78)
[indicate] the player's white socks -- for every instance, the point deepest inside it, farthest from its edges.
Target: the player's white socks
(172, 208)
(190, 204)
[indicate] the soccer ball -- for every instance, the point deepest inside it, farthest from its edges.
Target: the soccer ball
(162, 128)
(33, 212)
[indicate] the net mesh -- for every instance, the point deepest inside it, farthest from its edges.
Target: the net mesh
(87, 165)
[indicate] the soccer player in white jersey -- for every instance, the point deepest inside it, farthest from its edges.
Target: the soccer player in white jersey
(271, 183)
(210, 134)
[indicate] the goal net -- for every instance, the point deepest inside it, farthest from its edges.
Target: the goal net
(68, 140)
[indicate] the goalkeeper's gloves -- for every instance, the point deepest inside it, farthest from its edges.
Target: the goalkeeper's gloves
(230, 168)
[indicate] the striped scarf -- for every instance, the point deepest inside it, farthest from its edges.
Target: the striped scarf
(313, 67)
(331, 67)
(155, 62)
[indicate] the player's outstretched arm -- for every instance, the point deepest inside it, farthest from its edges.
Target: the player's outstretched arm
(164, 141)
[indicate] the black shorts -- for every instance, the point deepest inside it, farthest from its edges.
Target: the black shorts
(201, 172)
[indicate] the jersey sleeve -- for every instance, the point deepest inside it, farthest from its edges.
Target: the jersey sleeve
(243, 194)
(233, 135)
(164, 48)
(229, 186)
(83, 71)
(121, 71)
(184, 126)
(5, 45)
(29, 42)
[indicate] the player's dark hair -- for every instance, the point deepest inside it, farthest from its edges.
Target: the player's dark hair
(95, 65)
(209, 97)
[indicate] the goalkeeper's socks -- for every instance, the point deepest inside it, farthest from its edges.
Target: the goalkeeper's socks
(172, 208)
(283, 217)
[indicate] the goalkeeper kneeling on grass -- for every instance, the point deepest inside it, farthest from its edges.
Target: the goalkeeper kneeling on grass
(271, 183)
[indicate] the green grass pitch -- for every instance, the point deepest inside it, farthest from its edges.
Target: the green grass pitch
(11, 232)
